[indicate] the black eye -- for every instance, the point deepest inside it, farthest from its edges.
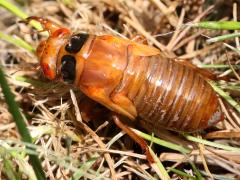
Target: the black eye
(68, 68)
(76, 42)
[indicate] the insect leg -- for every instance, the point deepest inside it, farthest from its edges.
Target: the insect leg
(135, 137)
(91, 110)
(124, 102)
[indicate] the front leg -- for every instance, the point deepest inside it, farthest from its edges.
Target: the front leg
(117, 103)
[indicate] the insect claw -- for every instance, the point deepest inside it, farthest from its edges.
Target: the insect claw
(28, 19)
(39, 19)
(22, 21)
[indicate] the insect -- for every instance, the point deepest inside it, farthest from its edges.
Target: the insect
(130, 78)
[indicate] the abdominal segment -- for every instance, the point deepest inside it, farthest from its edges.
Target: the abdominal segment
(170, 95)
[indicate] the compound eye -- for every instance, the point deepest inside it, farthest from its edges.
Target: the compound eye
(68, 68)
(76, 42)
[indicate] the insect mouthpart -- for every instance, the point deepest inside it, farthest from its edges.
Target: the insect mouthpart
(48, 71)
(47, 53)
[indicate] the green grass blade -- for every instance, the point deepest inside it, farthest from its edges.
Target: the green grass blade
(8, 169)
(69, 3)
(225, 96)
(163, 174)
(197, 172)
(217, 25)
(18, 12)
(34, 82)
(17, 42)
(162, 142)
(23, 166)
(212, 144)
(20, 123)
(217, 66)
(14, 9)
(84, 168)
(223, 37)
(181, 173)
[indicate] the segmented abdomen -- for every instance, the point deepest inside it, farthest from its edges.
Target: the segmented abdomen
(170, 95)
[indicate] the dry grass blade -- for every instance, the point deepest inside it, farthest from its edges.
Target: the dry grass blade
(74, 135)
(177, 31)
(223, 134)
(235, 19)
(94, 136)
(201, 150)
(140, 29)
(186, 30)
(173, 19)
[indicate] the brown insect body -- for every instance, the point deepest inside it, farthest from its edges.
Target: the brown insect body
(164, 93)
(134, 79)
(175, 97)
